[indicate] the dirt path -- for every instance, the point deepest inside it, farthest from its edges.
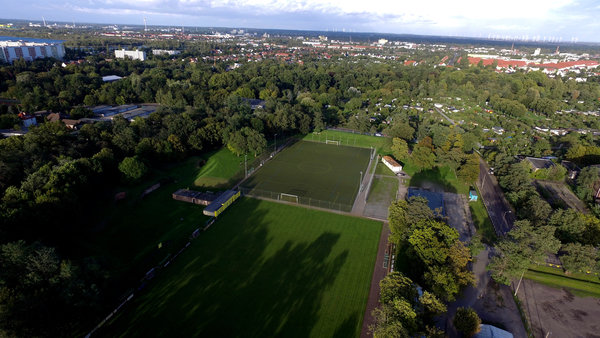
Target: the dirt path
(378, 273)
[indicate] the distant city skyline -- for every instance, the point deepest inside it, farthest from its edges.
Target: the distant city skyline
(542, 20)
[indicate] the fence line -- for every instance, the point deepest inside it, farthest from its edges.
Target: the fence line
(372, 175)
(309, 201)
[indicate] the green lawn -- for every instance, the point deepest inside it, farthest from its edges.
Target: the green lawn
(220, 170)
(441, 176)
(262, 270)
(382, 144)
(482, 221)
(313, 172)
(383, 170)
(580, 284)
(383, 190)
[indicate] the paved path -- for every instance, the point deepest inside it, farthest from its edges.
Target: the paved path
(378, 273)
(445, 116)
(492, 302)
(459, 215)
(498, 208)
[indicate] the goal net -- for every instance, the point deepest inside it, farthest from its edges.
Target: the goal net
(337, 143)
(288, 198)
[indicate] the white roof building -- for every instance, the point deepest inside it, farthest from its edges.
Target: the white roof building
(13, 48)
(133, 54)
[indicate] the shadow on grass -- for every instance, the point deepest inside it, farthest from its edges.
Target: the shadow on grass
(226, 285)
(432, 179)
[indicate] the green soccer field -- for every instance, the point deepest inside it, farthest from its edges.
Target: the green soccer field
(323, 175)
(262, 270)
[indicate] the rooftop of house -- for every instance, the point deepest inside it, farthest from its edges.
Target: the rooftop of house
(391, 161)
(540, 163)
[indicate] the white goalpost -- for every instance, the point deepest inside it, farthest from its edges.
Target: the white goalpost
(337, 143)
(288, 198)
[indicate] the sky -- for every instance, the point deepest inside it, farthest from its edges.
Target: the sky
(544, 20)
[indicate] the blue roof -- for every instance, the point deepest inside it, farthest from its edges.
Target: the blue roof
(218, 202)
(435, 200)
(489, 331)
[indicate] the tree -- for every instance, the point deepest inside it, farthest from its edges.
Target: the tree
(591, 234)
(523, 246)
(469, 171)
(516, 178)
(399, 148)
(432, 305)
(578, 258)
(570, 225)
(585, 182)
(255, 140)
(443, 257)
(403, 215)
(42, 294)
(536, 209)
(386, 324)
(132, 169)
(401, 130)
(396, 285)
(237, 143)
(423, 157)
(466, 321)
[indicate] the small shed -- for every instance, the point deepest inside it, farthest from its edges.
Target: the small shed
(472, 195)
(392, 164)
(196, 197)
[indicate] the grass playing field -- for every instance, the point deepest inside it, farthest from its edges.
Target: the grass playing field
(315, 171)
(262, 270)
(382, 144)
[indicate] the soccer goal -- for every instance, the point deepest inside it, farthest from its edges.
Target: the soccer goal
(337, 143)
(288, 198)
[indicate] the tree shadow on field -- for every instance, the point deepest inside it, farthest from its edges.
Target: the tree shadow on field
(431, 179)
(230, 289)
(348, 327)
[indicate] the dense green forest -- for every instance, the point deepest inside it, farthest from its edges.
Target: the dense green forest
(52, 179)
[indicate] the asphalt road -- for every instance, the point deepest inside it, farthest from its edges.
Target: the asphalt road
(499, 210)
(445, 116)
(493, 303)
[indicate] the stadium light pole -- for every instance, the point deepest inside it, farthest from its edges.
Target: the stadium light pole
(275, 142)
(246, 165)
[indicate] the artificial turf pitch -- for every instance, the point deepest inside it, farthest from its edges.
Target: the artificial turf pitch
(311, 170)
(263, 269)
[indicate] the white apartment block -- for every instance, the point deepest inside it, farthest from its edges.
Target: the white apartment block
(133, 54)
(165, 52)
(12, 49)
